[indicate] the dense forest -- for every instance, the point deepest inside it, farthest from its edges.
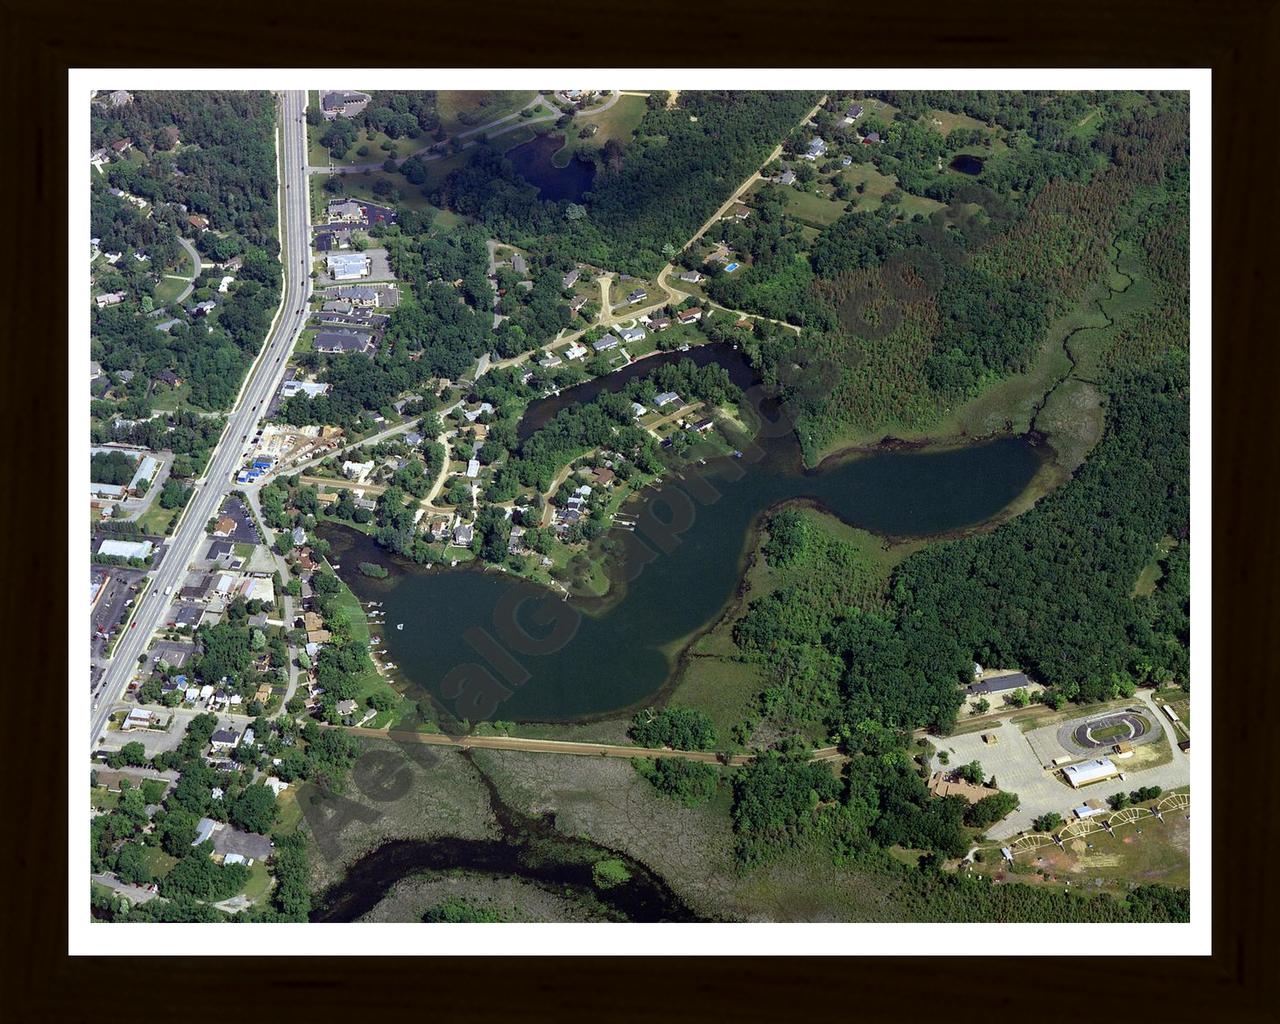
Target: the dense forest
(640, 211)
(917, 314)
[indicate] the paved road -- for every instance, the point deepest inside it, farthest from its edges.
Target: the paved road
(264, 377)
(568, 746)
(195, 259)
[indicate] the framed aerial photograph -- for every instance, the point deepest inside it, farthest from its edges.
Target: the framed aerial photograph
(701, 497)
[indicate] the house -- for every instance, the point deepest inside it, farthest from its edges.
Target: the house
(577, 303)
(1087, 772)
(575, 351)
(788, 178)
(224, 527)
(692, 276)
(603, 475)
(690, 316)
(346, 707)
(165, 326)
(638, 410)
(200, 223)
(204, 308)
(122, 146)
(223, 739)
(225, 284)
(341, 340)
(549, 360)
(639, 295)
(845, 161)
(570, 279)
(853, 113)
(357, 470)
(483, 409)
(704, 426)
(630, 334)
(473, 468)
(299, 536)
(186, 615)
(816, 148)
(605, 343)
(870, 138)
(343, 102)
(519, 266)
(660, 323)
(169, 378)
(347, 266)
(462, 534)
(666, 398)
(740, 212)
(109, 299)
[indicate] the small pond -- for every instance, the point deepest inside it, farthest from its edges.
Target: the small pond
(967, 163)
(532, 162)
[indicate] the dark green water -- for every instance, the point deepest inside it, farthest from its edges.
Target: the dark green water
(564, 660)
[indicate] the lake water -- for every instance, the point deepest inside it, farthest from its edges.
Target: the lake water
(490, 646)
(532, 161)
(966, 163)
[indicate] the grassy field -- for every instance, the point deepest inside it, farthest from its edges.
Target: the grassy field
(318, 156)
(453, 106)
(158, 861)
(618, 123)
(155, 520)
(813, 209)
(1157, 853)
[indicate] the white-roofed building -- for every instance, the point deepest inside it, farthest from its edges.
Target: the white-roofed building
(1087, 772)
(126, 548)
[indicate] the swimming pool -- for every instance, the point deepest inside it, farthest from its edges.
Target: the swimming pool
(730, 268)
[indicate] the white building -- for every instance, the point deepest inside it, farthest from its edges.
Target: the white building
(126, 548)
(347, 266)
(1087, 772)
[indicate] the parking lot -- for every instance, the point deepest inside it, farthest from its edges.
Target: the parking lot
(1018, 759)
(111, 605)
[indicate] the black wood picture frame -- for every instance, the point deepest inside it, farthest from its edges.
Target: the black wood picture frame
(1236, 38)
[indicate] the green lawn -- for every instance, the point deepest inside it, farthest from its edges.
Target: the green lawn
(102, 799)
(158, 861)
(155, 520)
(318, 156)
(814, 209)
(619, 123)
(259, 881)
(454, 106)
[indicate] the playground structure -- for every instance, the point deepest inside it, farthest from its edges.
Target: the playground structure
(1170, 804)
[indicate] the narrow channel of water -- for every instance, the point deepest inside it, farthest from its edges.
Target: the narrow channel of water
(530, 848)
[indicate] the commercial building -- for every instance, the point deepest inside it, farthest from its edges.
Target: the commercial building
(126, 548)
(1088, 772)
(347, 266)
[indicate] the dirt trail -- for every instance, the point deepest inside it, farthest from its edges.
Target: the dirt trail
(570, 747)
